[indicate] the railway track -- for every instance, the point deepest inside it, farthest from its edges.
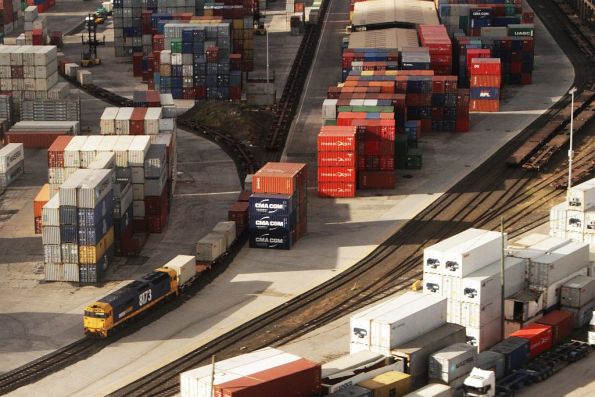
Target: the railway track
(493, 191)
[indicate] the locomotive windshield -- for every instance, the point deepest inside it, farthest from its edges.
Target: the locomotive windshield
(95, 314)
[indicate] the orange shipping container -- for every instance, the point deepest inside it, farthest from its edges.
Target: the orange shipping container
(43, 196)
(281, 178)
(484, 105)
(485, 80)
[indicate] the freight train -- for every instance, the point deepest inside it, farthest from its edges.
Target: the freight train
(104, 316)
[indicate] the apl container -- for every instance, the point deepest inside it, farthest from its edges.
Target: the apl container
(540, 338)
(515, 351)
(452, 362)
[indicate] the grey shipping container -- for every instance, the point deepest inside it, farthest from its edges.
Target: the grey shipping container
(492, 361)
(353, 391)
(452, 362)
(578, 291)
(582, 315)
(417, 351)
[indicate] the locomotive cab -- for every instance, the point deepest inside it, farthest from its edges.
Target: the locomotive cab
(97, 319)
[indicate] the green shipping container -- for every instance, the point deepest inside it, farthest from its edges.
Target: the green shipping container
(464, 23)
(330, 122)
(176, 45)
(523, 29)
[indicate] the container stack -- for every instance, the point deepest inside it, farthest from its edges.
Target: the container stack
(436, 38)
(467, 56)
(10, 16)
(575, 218)
(266, 229)
(337, 161)
(484, 81)
(78, 229)
(8, 110)
(577, 297)
(41, 199)
(551, 263)
(393, 322)
(36, 30)
(451, 365)
(156, 189)
(53, 109)
(465, 269)
(416, 58)
(40, 134)
(28, 71)
(42, 5)
(12, 164)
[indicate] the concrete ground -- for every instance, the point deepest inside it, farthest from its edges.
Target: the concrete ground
(341, 232)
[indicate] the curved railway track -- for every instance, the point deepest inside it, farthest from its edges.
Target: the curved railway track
(520, 196)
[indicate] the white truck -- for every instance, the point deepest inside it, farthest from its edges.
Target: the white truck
(480, 383)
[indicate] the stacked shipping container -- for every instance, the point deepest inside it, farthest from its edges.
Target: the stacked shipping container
(12, 164)
(11, 16)
(36, 30)
(575, 218)
(485, 78)
(436, 38)
(266, 229)
(28, 71)
(41, 199)
(337, 161)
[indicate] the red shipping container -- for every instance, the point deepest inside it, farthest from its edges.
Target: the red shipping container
(562, 324)
(526, 78)
(484, 105)
(481, 80)
(56, 151)
(462, 124)
(336, 174)
(376, 180)
(137, 64)
(139, 225)
(540, 337)
(336, 189)
(244, 196)
(337, 138)
(156, 205)
(157, 223)
(137, 121)
(477, 53)
(282, 178)
(489, 66)
(336, 159)
(33, 139)
(38, 227)
(239, 214)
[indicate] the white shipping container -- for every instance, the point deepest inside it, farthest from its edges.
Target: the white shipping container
(11, 155)
(553, 266)
(72, 151)
(50, 213)
(165, 57)
(452, 287)
(50, 235)
(432, 284)
(138, 150)
(84, 77)
(473, 254)
(88, 151)
(484, 286)
(107, 145)
(71, 69)
(52, 254)
(210, 247)
(104, 161)
(474, 315)
(152, 118)
(485, 337)
(381, 331)
(138, 209)
(558, 216)
(167, 125)
(68, 190)
(551, 296)
(329, 109)
(96, 185)
(121, 150)
(577, 291)
(184, 266)
(432, 390)
(228, 229)
(122, 121)
(452, 362)
(62, 272)
(45, 84)
(107, 122)
(582, 197)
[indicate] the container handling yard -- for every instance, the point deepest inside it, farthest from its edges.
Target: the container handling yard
(373, 198)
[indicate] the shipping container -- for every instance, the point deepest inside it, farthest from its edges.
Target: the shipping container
(264, 372)
(228, 230)
(515, 351)
(61, 272)
(582, 197)
(270, 239)
(96, 185)
(72, 151)
(271, 204)
(492, 361)
(452, 362)
(336, 189)
(210, 247)
(184, 266)
(540, 337)
(379, 330)
(107, 122)
(483, 286)
(10, 156)
(562, 323)
(239, 214)
(352, 391)
(464, 253)
(546, 269)
(281, 178)
(578, 291)
(582, 315)
(50, 215)
(391, 383)
(432, 390)
(337, 139)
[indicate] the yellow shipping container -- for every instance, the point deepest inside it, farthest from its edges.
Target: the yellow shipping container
(90, 254)
(165, 70)
(238, 24)
(388, 384)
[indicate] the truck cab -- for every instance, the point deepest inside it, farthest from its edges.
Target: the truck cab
(480, 383)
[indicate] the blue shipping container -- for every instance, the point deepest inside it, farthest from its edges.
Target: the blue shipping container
(484, 93)
(272, 240)
(271, 204)
(515, 350)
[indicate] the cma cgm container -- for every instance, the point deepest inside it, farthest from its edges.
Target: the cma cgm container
(265, 372)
